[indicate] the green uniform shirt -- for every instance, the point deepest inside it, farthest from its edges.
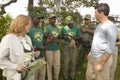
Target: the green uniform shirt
(74, 31)
(87, 36)
(55, 32)
(37, 38)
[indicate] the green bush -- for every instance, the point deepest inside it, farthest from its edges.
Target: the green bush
(5, 22)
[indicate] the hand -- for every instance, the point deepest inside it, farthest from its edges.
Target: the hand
(50, 38)
(21, 68)
(88, 56)
(74, 37)
(84, 30)
(99, 67)
(43, 47)
(66, 37)
(34, 47)
(37, 53)
(72, 43)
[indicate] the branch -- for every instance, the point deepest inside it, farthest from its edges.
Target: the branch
(4, 5)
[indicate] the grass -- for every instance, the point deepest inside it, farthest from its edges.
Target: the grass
(81, 76)
(117, 72)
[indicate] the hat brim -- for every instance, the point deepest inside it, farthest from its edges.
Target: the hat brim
(68, 22)
(41, 17)
(86, 18)
(52, 17)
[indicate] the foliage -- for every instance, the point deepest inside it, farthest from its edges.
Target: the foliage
(5, 22)
(63, 8)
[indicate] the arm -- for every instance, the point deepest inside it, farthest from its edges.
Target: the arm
(118, 37)
(5, 56)
(46, 35)
(100, 65)
(105, 57)
(90, 31)
(5, 62)
(62, 35)
(78, 37)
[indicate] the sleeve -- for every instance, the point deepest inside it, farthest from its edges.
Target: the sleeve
(46, 29)
(93, 26)
(111, 39)
(61, 33)
(5, 61)
(78, 32)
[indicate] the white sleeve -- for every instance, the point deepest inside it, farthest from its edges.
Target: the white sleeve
(5, 61)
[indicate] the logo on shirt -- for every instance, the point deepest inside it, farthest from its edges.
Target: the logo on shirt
(38, 36)
(55, 34)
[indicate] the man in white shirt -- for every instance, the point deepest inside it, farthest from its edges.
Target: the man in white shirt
(103, 45)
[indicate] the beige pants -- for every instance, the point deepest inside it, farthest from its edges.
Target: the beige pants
(40, 73)
(69, 57)
(53, 60)
(114, 64)
(92, 74)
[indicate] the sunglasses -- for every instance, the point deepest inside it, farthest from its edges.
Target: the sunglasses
(86, 19)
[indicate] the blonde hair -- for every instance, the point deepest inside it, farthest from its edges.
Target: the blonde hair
(18, 25)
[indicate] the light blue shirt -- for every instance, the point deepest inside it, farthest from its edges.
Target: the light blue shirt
(104, 39)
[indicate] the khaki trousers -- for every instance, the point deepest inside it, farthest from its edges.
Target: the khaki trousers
(40, 73)
(53, 60)
(92, 74)
(69, 57)
(114, 64)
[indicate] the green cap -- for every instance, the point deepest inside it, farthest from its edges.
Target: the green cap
(35, 14)
(52, 16)
(69, 19)
(87, 16)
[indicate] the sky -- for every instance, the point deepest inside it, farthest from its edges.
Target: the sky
(114, 8)
(20, 7)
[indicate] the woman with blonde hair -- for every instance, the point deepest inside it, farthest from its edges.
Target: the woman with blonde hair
(14, 47)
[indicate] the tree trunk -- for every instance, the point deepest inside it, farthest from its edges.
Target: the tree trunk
(30, 6)
(2, 11)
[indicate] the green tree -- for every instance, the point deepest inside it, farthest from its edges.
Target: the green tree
(62, 8)
(5, 22)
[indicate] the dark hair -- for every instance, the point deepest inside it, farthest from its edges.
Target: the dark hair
(111, 18)
(103, 7)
